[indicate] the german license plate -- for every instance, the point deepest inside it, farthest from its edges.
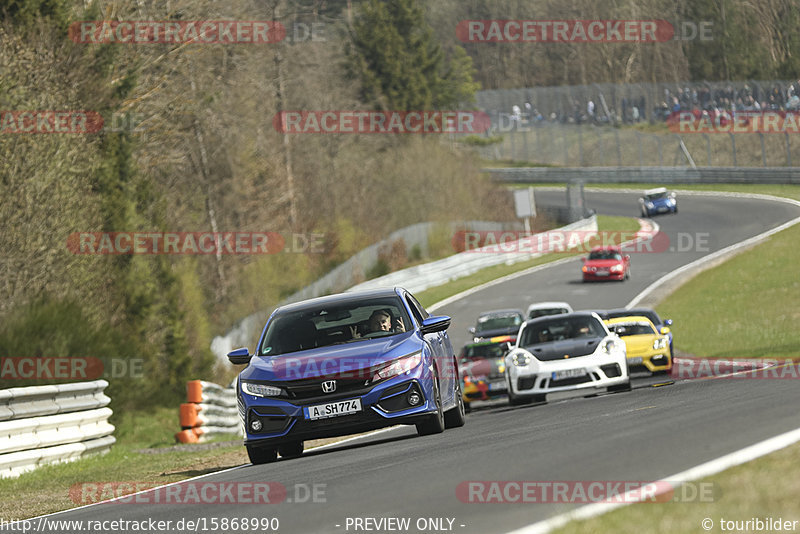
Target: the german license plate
(569, 373)
(601, 273)
(494, 386)
(332, 409)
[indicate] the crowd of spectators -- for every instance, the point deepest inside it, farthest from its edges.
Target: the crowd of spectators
(700, 98)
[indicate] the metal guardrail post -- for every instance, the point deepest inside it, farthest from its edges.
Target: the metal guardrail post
(708, 149)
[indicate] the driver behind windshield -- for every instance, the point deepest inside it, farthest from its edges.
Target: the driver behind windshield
(380, 321)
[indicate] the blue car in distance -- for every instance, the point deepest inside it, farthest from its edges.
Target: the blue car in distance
(658, 200)
(343, 364)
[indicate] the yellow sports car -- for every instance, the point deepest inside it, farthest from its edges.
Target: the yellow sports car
(482, 368)
(648, 349)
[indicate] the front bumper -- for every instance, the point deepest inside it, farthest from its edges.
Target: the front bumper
(482, 390)
(386, 404)
(539, 378)
(592, 277)
(651, 360)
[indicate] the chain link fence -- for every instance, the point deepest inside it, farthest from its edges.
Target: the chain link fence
(623, 125)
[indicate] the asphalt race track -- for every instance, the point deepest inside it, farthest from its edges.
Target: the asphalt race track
(644, 435)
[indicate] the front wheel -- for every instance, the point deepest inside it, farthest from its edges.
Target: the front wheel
(261, 455)
(434, 424)
(456, 416)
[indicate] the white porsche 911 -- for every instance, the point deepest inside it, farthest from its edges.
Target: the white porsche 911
(565, 352)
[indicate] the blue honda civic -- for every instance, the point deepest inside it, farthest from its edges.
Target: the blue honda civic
(343, 364)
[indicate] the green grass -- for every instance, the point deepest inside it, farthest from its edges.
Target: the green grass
(744, 308)
(764, 488)
(605, 223)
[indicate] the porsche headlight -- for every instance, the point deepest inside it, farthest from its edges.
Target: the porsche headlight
(261, 390)
(660, 343)
(521, 359)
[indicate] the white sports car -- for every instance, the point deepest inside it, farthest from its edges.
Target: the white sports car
(565, 352)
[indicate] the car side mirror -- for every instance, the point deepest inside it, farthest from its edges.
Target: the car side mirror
(665, 330)
(627, 257)
(438, 323)
(239, 356)
(668, 322)
(471, 330)
(583, 259)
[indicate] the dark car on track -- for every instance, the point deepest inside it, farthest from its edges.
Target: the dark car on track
(320, 370)
(483, 369)
(497, 323)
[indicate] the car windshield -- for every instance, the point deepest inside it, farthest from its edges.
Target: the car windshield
(333, 324)
(656, 196)
(542, 312)
(605, 255)
(483, 351)
(487, 323)
(561, 329)
(632, 329)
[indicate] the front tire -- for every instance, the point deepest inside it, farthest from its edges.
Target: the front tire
(456, 416)
(261, 455)
(434, 424)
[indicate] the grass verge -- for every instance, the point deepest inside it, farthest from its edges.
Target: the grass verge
(759, 489)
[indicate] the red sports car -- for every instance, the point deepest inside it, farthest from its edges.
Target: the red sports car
(606, 263)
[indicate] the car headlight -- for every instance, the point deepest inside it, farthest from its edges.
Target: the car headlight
(609, 346)
(261, 390)
(521, 359)
(616, 268)
(660, 343)
(399, 366)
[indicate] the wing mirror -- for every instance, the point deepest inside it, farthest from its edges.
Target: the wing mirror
(239, 356)
(438, 323)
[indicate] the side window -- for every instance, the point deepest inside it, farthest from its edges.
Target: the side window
(416, 309)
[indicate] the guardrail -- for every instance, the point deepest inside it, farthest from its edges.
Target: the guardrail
(421, 277)
(49, 424)
(210, 409)
(656, 175)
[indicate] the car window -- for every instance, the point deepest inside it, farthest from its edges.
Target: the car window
(546, 311)
(326, 325)
(605, 255)
(632, 329)
(561, 329)
(416, 308)
(483, 351)
(498, 321)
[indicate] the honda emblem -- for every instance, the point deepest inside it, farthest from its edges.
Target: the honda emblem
(329, 386)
